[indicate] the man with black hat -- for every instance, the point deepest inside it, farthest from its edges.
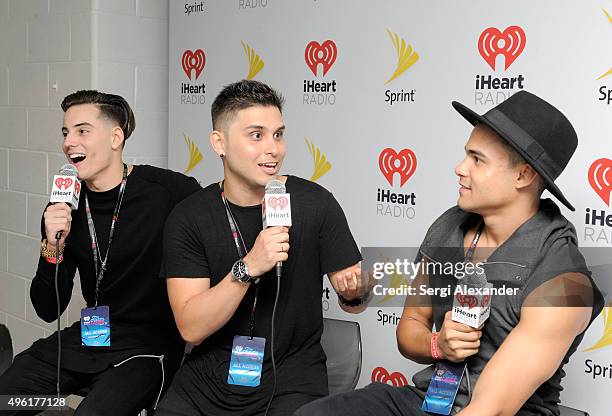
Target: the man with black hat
(513, 362)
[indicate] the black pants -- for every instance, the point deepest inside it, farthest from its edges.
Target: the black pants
(377, 399)
(122, 390)
(174, 405)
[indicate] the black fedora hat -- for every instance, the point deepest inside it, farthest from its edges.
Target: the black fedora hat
(537, 130)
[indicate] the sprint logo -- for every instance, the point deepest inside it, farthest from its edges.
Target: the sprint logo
(406, 57)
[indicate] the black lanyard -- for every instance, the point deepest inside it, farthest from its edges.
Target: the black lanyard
(242, 251)
(470, 252)
(94, 238)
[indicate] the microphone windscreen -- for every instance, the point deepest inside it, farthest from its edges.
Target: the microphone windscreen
(69, 170)
(475, 279)
(275, 187)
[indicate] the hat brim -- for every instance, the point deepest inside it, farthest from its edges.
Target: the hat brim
(474, 118)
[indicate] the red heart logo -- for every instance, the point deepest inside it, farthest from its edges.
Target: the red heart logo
(390, 162)
(510, 43)
(324, 54)
(193, 60)
(600, 178)
(276, 203)
(63, 183)
(381, 375)
(467, 300)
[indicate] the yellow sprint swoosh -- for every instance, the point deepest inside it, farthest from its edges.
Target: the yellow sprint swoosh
(321, 165)
(406, 56)
(195, 156)
(606, 338)
(256, 64)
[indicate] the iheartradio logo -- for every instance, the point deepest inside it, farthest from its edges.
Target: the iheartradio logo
(600, 178)
(193, 60)
(396, 379)
(276, 210)
(510, 43)
(324, 54)
(403, 163)
(64, 183)
(468, 301)
(278, 203)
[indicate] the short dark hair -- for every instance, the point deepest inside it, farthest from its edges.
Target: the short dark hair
(111, 106)
(240, 95)
(516, 159)
(514, 156)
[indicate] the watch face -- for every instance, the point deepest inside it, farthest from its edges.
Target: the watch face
(239, 271)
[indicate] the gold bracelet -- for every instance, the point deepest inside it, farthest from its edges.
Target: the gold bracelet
(45, 252)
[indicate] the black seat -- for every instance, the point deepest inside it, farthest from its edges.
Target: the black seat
(6, 349)
(341, 341)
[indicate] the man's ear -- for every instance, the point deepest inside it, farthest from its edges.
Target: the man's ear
(526, 176)
(217, 141)
(117, 138)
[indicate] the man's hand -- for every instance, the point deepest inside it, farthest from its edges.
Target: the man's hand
(271, 246)
(57, 217)
(457, 341)
(347, 282)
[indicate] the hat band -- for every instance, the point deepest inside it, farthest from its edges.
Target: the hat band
(521, 139)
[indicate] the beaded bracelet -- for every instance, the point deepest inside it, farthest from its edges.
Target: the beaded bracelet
(435, 352)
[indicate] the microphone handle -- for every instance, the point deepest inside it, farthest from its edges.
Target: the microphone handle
(279, 269)
(58, 235)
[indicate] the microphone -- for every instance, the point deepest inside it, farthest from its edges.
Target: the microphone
(276, 210)
(472, 300)
(66, 188)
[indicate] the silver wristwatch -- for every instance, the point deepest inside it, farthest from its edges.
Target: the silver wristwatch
(240, 272)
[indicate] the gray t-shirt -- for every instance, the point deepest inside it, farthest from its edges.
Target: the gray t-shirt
(541, 249)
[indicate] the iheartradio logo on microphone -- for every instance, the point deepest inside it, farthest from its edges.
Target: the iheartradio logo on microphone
(493, 43)
(63, 182)
(395, 379)
(276, 210)
(193, 63)
(472, 309)
(598, 222)
(65, 189)
(278, 203)
(320, 58)
(397, 167)
(467, 301)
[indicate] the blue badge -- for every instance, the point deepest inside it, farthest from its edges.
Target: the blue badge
(443, 387)
(95, 327)
(247, 361)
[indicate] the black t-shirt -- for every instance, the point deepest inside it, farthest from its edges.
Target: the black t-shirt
(198, 243)
(140, 315)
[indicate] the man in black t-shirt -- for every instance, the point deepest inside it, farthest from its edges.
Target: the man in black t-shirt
(211, 270)
(126, 374)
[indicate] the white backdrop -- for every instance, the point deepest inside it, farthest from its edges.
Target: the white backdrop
(424, 54)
